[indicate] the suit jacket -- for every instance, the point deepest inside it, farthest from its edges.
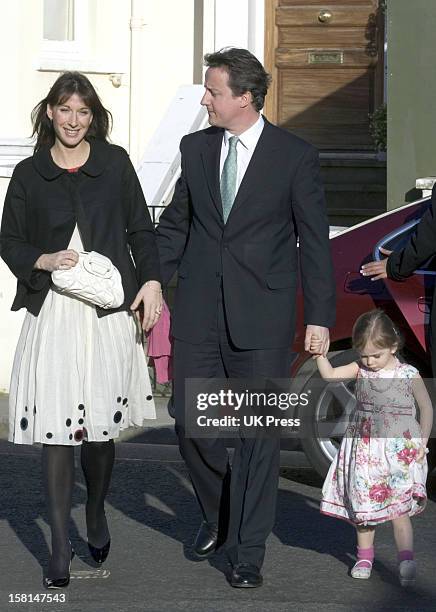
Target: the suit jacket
(254, 255)
(43, 204)
(420, 247)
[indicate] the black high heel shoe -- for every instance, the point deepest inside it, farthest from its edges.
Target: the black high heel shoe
(59, 583)
(100, 554)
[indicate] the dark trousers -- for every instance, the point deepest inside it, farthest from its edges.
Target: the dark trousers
(243, 505)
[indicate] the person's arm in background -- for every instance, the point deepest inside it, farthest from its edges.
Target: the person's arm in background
(421, 246)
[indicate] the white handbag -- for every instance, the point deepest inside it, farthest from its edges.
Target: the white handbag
(94, 279)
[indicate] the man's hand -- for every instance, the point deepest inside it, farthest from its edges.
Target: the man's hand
(150, 296)
(376, 269)
(317, 340)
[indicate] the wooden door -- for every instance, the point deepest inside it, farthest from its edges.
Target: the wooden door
(326, 60)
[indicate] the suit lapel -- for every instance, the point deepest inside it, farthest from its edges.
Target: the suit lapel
(211, 162)
(255, 172)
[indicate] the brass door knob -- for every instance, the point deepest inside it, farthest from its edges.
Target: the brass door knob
(325, 16)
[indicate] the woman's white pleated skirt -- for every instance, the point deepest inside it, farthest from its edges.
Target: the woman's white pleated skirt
(76, 376)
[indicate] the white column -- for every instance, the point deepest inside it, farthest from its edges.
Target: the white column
(231, 23)
(256, 28)
(136, 102)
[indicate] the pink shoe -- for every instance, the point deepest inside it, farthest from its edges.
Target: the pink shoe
(362, 569)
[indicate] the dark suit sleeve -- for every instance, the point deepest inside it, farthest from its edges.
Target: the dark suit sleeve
(310, 217)
(140, 230)
(173, 228)
(19, 255)
(421, 246)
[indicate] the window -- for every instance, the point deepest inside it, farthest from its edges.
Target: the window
(65, 33)
(58, 20)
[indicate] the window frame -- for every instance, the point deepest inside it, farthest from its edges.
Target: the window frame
(64, 54)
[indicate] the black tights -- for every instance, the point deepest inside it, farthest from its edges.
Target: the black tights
(97, 459)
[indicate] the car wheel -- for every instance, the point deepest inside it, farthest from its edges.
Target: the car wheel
(324, 419)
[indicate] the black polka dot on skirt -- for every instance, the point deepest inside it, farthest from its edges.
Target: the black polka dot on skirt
(23, 423)
(68, 422)
(49, 435)
(119, 399)
(117, 416)
(81, 407)
(78, 435)
(71, 436)
(124, 401)
(80, 421)
(149, 398)
(105, 433)
(25, 408)
(34, 410)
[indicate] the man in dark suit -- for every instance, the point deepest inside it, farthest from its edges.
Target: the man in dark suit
(247, 191)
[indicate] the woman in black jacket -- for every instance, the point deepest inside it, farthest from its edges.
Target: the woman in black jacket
(79, 374)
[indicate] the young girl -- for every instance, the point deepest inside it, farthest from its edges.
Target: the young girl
(380, 470)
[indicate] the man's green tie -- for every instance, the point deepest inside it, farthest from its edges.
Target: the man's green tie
(228, 178)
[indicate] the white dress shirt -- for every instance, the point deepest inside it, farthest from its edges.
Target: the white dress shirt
(245, 148)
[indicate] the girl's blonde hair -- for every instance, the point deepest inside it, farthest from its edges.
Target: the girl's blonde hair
(375, 326)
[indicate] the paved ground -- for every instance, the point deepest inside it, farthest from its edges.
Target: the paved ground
(153, 519)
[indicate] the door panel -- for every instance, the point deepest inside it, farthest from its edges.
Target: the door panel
(321, 105)
(327, 66)
(342, 15)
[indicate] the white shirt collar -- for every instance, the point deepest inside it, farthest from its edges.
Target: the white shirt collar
(250, 137)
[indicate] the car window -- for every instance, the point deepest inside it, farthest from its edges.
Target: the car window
(397, 240)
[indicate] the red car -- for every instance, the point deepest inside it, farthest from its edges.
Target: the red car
(407, 303)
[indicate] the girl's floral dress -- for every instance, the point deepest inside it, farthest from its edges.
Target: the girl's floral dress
(375, 476)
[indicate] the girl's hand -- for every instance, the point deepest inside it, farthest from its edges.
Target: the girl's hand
(423, 450)
(315, 347)
(62, 260)
(150, 296)
(319, 337)
(421, 454)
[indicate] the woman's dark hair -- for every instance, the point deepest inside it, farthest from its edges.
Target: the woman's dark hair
(245, 72)
(375, 326)
(64, 87)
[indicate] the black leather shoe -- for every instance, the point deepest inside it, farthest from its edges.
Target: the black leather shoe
(59, 583)
(206, 541)
(99, 554)
(246, 576)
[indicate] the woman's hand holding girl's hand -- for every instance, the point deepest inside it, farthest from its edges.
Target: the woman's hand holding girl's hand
(62, 260)
(150, 295)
